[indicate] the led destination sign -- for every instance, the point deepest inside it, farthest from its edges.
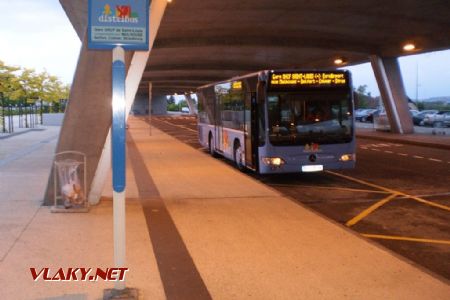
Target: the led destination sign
(237, 85)
(308, 79)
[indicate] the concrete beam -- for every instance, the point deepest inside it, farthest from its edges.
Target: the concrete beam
(390, 83)
(205, 74)
(295, 39)
(181, 82)
(201, 66)
(148, 76)
(162, 91)
(179, 88)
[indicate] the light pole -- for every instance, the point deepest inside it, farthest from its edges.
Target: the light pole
(3, 112)
(40, 111)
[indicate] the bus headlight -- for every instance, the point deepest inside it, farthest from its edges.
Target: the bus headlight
(273, 161)
(347, 157)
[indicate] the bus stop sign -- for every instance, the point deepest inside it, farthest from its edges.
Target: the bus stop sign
(122, 23)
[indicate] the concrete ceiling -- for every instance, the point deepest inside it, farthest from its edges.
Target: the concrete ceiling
(202, 41)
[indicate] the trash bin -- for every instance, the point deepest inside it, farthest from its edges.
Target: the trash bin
(70, 182)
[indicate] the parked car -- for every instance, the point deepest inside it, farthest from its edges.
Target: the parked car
(381, 121)
(185, 110)
(413, 112)
(418, 118)
(439, 119)
(358, 113)
(366, 115)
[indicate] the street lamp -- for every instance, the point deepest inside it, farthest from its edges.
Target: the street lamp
(3, 112)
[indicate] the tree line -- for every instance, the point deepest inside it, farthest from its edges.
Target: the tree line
(23, 86)
(363, 99)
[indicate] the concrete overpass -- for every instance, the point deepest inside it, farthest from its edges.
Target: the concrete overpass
(194, 42)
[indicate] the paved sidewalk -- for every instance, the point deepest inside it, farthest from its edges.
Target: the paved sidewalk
(192, 221)
(32, 236)
(247, 241)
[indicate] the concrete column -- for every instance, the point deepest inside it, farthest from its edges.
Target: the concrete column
(390, 83)
(88, 116)
(159, 105)
(191, 104)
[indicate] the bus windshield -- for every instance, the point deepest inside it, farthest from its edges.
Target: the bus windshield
(300, 118)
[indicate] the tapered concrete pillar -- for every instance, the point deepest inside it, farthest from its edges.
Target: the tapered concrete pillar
(191, 104)
(88, 114)
(87, 119)
(159, 105)
(390, 83)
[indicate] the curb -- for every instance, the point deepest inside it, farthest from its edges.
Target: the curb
(404, 141)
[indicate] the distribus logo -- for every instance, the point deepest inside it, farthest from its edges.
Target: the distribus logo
(121, 14)
(79, 274)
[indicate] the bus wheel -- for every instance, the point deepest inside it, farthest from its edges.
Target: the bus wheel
(210, 146)
(238, 156)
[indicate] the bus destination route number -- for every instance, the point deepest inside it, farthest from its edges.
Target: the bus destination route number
(311, 79)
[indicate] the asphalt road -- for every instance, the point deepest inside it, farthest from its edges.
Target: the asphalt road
(398, 195)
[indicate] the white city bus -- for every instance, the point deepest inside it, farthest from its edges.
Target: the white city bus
(280, 121)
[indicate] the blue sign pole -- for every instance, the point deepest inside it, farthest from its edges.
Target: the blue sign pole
(118, 25)
(118, 140)
(118, 119)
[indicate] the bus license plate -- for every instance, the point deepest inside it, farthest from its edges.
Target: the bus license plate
(312, 168)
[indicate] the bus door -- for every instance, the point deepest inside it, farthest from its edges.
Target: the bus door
(251, 131)
(218, 142)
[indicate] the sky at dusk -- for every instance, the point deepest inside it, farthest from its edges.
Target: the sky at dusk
(37, 34)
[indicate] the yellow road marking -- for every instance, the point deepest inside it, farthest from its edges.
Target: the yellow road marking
(402, 154)
(181, 126)
(403, 238)
(370, 210)
(444, 207)
(417, 156)
(185, 127)
(391, 191)
(428, 195)
(363, 182)
(434, 159)
(332, 188)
